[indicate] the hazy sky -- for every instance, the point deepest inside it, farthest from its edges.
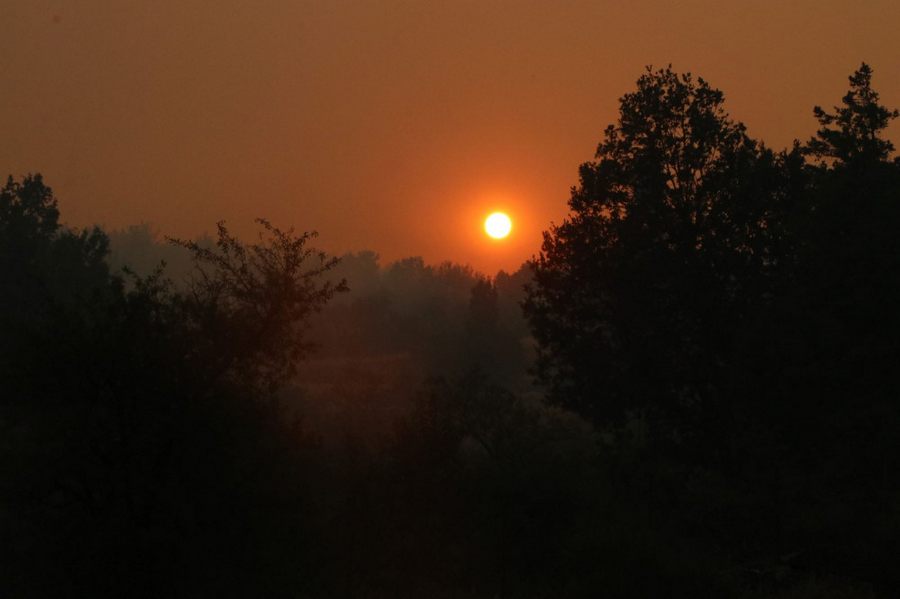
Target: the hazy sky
(394, 126)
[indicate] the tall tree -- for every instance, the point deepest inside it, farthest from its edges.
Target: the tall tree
(671, 236)
(853, 133)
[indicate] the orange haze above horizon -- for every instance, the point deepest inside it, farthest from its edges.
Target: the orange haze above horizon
(391, 126)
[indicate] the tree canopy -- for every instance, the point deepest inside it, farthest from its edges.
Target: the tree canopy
(673, 231)
(726, 309)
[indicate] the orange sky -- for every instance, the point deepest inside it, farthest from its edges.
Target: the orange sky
(394, 126)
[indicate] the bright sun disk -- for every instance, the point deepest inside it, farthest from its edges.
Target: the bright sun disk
(497, 225)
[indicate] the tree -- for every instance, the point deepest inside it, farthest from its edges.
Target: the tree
(853, 132)
(46, 270)
(249, 305)
(740, 303)
(39, 257)
(671, 236)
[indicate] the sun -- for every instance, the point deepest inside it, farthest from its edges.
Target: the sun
(497, 225)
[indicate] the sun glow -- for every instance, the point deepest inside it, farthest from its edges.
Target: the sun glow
(497, 225)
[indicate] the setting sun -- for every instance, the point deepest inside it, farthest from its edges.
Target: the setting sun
(497, 225)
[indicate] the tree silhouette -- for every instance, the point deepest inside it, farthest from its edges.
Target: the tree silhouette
(852, 133)
(669, 240)
(250, 304)
(724, 313)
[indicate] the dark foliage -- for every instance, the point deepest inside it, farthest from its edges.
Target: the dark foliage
(143, 453)
(733, 305)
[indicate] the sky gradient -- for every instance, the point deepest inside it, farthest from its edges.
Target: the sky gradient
(391, 126)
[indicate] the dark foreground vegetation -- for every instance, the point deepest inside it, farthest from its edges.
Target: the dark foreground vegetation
(713, 341)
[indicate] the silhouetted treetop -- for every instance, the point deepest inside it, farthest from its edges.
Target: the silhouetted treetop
(853, 132)
(28, 207)
(669, 227)
(672, 138)
(40, 259)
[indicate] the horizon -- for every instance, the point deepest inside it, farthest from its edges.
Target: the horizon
(414, 121)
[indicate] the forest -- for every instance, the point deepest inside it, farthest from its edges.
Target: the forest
(689, 391)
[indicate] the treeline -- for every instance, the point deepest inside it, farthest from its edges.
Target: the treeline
(712, 333)
(447, 318)
(396, 326)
